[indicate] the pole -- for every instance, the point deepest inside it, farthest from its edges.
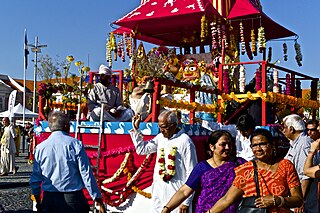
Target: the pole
(25, 62)
(35, 75)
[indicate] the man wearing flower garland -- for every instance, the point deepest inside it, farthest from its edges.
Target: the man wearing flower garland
(176, 157)
(105, 92)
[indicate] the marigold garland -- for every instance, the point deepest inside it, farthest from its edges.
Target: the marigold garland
(129, 188)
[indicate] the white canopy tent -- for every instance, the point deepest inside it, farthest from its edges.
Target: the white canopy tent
(18, 112)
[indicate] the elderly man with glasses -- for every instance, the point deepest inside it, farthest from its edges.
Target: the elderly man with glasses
(176, 157)
(294, 129)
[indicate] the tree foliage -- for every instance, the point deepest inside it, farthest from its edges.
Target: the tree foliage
(48, 66)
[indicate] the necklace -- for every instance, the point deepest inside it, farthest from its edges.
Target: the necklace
(216, 162)
(167, 174)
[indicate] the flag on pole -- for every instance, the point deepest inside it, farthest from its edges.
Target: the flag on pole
(11, 102)
(26, 51)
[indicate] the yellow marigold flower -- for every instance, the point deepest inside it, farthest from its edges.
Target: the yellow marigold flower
(86, 69)
(78, 63)
(70, 58)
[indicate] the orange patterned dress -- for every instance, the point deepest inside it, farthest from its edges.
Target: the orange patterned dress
(278, 183)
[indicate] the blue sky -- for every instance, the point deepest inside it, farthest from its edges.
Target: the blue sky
(80, 28)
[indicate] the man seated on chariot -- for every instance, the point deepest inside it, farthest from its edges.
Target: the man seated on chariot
(107, 95)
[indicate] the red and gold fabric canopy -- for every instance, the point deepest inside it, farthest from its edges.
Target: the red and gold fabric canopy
(175, 22)
(178, 22)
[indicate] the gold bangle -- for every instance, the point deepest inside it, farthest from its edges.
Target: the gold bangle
(282, 201)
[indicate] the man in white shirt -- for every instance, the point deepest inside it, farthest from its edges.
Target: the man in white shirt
(176, 157)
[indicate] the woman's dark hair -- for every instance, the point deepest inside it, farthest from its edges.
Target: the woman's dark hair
(213, 139)
(264, 132)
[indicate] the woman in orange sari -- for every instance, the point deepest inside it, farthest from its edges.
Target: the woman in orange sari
(279, 184)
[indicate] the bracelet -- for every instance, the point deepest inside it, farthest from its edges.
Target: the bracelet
(282, 201)
(166, 207)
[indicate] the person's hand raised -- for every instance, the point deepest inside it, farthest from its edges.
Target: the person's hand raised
(136, 121)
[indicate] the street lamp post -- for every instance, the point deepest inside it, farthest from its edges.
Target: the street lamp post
(36, 48)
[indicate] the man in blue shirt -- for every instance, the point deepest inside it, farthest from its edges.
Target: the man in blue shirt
(62, 169)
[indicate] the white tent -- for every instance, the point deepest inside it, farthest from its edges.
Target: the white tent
(18, 112)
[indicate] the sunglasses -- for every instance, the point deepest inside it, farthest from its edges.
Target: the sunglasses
(313, 129)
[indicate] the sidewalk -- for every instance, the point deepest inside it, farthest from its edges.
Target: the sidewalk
(14, 189)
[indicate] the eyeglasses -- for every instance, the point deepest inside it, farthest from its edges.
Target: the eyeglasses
(312, 129)
(166, 127)
(262, 145)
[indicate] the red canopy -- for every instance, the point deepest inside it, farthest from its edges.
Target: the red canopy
(252, 17)
(121, 30)
(176, 23)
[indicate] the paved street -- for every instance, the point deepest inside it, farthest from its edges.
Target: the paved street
(14, 189)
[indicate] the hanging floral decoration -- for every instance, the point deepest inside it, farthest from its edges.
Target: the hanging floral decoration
(219, 33)
(285, 51)
(261, 39)
(108, 53)
(253, 43)
(226, 84)
(124, 40)
(127, 168)
(129, 50)
(288, 85)
(214, 32)
(167, 174)
(224, 36)
(258, 80)
(204, 28)
(113, 46)
(298, 53)
(243, 42)
(242, 78)
(275, 81)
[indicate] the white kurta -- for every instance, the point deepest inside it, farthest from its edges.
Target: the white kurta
(186, 159)
(8, 149)
(111, 97)
(242, 144)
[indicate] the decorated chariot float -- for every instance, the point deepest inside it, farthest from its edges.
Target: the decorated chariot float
(196, 70)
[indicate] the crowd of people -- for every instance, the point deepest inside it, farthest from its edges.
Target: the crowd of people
(242, 163)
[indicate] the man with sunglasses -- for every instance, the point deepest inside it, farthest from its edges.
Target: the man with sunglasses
(176, 157)
(312, 129)
(300, 143)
